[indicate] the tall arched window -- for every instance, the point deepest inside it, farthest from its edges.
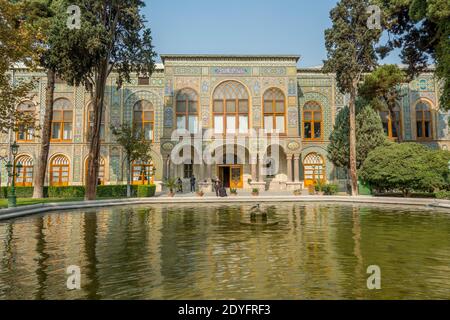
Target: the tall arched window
(101, 171)
(26, 133)
(144, 118)
(424, 122)
(25, 174)
(187, 110)
(141, 172)
(388, 125)
(314, 169)
(274, 111)
(231, 108)
(312, 121)
(90, 122)
(62, 120)
(59, 171)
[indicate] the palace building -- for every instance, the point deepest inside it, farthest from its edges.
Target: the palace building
(229, 94)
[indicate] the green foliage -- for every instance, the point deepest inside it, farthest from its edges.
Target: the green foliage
(133, 143)
(445, 195)
(146, 191)
(330, 189)
(66, 192)
(115, 191)
(255, 190)
(406, 167)
(350, 43)
(233, 191)
(369, 135)
(21, 192)
(319, 185)
(421, 29)
(171, 184)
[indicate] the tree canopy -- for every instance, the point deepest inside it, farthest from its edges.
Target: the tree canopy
(369, 135)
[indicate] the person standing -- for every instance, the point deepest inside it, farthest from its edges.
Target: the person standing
(193, 180)
(217, 187)
(180, 185)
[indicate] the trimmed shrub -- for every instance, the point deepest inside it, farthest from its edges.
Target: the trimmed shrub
(146, 191)
(330, 189)
(115, 191)
(21, 192)
(443, 195)
(66, 192)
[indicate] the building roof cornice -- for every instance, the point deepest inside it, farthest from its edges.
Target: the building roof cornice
(226, 57)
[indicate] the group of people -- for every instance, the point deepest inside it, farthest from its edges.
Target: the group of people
(192, 182)
(218, 186)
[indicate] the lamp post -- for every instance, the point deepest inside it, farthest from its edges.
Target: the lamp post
(12, 198)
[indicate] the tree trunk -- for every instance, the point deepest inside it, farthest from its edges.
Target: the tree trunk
(94, 149)
(353, 170)
(41, 163)
(128, 178)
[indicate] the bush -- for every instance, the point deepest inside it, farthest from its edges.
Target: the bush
(21, 192)
(255, 190)
(66, 192)
(116, 191)
(443, 195)
(330, 189)
(406, 167)
(146, 191)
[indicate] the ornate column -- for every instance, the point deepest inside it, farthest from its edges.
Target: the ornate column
(261, 170)
(289, 167)
(253, 169)
(297, 168)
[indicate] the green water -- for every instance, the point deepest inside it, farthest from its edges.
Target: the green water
(203, 252)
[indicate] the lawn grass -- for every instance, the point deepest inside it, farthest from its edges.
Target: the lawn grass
(30, 201)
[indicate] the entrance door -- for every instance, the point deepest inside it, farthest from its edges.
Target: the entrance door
(231, 176)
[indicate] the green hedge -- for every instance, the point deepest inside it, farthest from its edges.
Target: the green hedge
(146, 191)
(330, 189)
(443, 195)
(115, 191)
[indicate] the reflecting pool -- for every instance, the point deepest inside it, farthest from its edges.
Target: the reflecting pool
(317, 251)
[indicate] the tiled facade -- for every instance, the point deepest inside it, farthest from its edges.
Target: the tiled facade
(203, 76)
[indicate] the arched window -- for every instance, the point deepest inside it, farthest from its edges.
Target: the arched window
(187, 110)
(231, 108)
(388, 125)
(144, 118)
(274, 111)
(26, 133)
(101, 171)
(25, 174)
(62, 120)
(59, 171)
(312, 121)
(424, 123)
(314, 169)
(90, 121)
(142, 172)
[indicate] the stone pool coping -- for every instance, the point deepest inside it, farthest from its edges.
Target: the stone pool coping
(23, 211)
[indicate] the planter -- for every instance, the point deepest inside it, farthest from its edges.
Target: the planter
(297, 192)
(171, 194)
(233, 194)
(320, 193)
(200, 194)
(255, 194)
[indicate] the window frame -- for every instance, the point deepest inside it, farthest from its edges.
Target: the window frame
(60, 170)
(423, 121)
(274, 114)
(312, 122)
(26, 168)
(29, 132)
(62, 123)
(142, 177)
(143, 122)
(236, 114)
(391, 124)
(187, 113)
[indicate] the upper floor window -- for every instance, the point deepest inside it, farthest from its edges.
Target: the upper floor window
(391, 128)
(62, 120)
(423, 121)
(25, 133)
(144, 118)
(231, 108)
(274, 111)
(91, 123)
(187, 110)
(312, 121)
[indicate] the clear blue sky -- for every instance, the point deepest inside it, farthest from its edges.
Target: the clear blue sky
(242, 27)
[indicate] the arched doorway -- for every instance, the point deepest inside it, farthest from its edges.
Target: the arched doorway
(314, 169)
(101, 171)
(142, 172)
(25, 174)
(59, 171)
